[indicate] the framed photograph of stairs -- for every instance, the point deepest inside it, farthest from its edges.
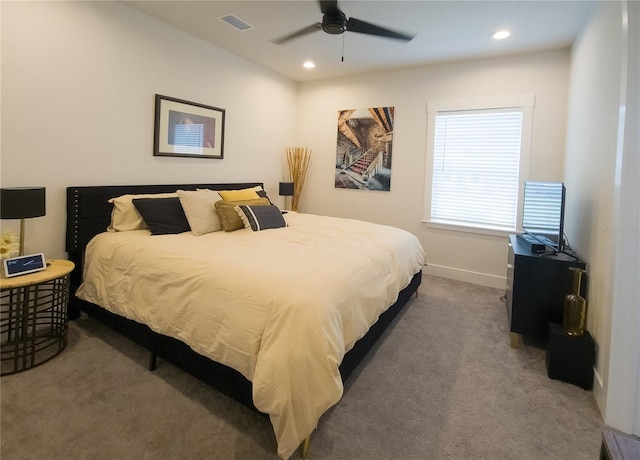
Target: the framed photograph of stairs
(364, 149)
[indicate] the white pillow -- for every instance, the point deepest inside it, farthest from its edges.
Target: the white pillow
(125, 216)
(200, 209)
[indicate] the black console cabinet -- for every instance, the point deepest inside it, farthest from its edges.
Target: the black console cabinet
(536, 286)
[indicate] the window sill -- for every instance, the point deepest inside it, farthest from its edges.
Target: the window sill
(468, 229)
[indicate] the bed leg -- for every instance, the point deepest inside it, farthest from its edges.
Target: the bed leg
(153, 360)
(304, 447)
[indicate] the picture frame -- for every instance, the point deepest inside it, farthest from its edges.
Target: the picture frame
(364, 149)
(187, 129)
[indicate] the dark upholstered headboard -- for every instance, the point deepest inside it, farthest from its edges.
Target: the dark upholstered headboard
(89, 212)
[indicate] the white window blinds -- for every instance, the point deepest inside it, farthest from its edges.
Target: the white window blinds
(476, 166)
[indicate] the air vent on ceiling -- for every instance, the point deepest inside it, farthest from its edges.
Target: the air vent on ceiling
(235, 22)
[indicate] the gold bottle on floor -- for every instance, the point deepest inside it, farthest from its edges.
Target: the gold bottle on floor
(575, 306)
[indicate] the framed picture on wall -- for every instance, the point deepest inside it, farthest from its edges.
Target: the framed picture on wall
(365, 148)
(187, 129)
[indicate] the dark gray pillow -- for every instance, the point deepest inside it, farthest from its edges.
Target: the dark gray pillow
(263, 194)
(163, 216)
(256, 218)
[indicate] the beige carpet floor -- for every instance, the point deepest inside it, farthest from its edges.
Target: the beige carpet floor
(443, 383)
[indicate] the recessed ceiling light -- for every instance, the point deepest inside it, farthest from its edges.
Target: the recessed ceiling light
(500, 34)
(308, 65)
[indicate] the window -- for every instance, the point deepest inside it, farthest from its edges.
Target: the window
(478, 157)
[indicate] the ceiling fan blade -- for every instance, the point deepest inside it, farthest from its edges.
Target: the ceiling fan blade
(328, 5)
(298, 33)
(362, 27)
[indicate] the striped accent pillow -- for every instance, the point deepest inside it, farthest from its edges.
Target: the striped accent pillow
(256, 218)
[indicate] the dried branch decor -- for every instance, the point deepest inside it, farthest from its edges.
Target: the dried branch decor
(298, 159)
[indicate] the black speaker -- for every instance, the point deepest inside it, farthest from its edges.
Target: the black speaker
(570, 358)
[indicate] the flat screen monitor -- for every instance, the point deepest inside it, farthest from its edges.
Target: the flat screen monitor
(543, 212)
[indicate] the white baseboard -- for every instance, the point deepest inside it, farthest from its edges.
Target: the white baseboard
(483, 279)
(598, 377)
(599, 393)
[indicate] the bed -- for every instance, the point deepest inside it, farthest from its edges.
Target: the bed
(253, 313)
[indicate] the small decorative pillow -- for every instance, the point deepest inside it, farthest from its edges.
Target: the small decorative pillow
(240, 195)
(200, 209)
(163, 216)
(257, 218)
(125, 216)
(229, 218)
(262, 194)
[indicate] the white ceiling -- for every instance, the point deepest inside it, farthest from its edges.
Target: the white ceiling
(445, 31)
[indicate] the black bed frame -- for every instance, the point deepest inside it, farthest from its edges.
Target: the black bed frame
(89, 213)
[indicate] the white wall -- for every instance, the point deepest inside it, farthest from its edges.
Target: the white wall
(602, 167)
(471, 257)
(590, 159)
(78, 86)
(623, 384)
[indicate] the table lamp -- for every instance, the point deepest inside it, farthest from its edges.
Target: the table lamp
(22, 203)
(286, 189)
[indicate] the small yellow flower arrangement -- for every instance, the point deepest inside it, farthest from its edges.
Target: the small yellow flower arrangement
(9, 245)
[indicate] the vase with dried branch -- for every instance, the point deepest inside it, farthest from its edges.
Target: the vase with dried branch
(298, 159)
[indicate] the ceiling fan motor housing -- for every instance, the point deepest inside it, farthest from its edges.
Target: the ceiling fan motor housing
(334, 22)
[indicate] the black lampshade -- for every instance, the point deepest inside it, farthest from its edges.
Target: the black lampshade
(22, 202)
(286, 189)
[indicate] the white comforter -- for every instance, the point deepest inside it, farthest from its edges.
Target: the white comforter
(281, 306)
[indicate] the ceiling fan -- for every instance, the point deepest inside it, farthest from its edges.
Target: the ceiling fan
(335, 22)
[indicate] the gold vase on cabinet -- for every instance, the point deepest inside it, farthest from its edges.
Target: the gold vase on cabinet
(575, 306)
